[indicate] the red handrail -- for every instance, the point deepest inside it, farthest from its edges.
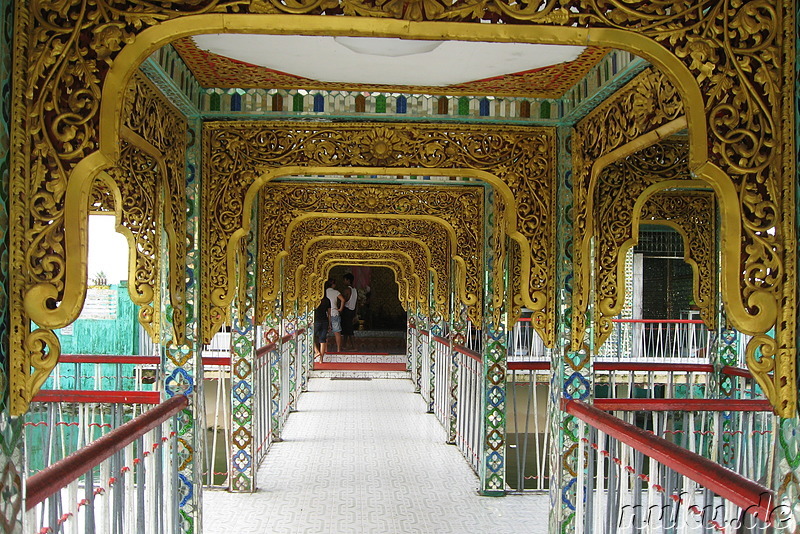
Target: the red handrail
(683, 405)
(744, 493)
(108, 358)
(440, 339)
(540, 365)
(266, 348)
(468, 352)
(663, 321)
(52, 478)
(217, 360)
(106, 396)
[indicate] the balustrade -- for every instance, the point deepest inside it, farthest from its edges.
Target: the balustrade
(441, 373)
(124, 481)
(637, 481)
(468, 405)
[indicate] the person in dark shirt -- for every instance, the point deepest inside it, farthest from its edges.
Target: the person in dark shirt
(321, 322)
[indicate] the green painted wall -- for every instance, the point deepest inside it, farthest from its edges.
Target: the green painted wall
(104, 336)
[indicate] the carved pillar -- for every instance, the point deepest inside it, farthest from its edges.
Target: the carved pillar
(787, 479)
(273, 332)
(492, 468)
(182, 361)
(290, 328)
(436, 329)
(419, 348)
(11, 442)
(458, 336)
(243, 342)
(306, 322)
(570, 371)
(411, 338)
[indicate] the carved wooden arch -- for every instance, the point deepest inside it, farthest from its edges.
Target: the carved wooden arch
(619, 192)
(243, 157)
(407, 280)
(460, 207)
(132, 192)
(408, 268)
(317, 279)
(733, 67)
(692, 214)
(433, 233)
(437, 234)
(419, 252)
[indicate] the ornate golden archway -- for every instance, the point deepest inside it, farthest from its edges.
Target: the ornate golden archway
(736, 96)
(416, 249)
(401, 265)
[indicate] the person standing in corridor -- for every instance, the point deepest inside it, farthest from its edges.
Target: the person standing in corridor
(321, 324)
(350, 295)
(337, 303)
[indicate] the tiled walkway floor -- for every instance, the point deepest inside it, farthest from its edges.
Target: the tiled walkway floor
(362, 456)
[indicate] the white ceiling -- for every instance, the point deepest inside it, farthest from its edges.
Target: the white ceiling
(372, 60)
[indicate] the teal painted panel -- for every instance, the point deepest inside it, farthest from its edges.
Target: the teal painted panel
(118, 335)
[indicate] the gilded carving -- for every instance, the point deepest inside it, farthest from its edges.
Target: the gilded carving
(619, 189)
(517, 160)
(647, 102)
(138, 178)
(416, 250)
(461, 207)
(734, 62)
(693, 214)
(407, 279)
(435, 234)
(101, 198)
(154, 124)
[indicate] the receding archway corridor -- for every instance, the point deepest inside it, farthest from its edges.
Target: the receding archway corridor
(363, 456)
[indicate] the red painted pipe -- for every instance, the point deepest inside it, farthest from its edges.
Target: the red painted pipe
(654, 321)
(217, 360)
(468, 352)
(529, 366)
(77, 395)
(52, 478)
(105, 358)
(750, 496)
(683, 405)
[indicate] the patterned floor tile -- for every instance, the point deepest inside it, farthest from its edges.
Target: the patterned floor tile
(362, 456)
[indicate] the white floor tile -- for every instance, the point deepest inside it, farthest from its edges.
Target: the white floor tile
(362, 456)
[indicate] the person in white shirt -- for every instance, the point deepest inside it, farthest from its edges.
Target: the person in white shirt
(350, 295)
(337, 303)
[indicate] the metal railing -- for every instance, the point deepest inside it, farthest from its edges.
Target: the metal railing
(217, 391)
(124, 481)
(425, 368)
(441, 372)
(679, 340)
(262, 399)
(105, 372)
(528, 426)
(641, 384)
(525, 344)
(735, 433)
(469, 406)
(668, 380)
(637, 481)
(220, 345)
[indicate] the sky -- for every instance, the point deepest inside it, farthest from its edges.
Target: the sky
(108, 250)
